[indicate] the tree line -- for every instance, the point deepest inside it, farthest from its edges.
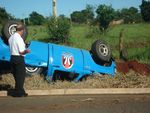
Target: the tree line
(101, 15)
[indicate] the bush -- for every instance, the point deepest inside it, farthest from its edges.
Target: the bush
(58, 28)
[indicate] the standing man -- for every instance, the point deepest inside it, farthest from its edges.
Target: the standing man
(17, 51)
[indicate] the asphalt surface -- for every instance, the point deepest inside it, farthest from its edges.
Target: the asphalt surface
(76, 104)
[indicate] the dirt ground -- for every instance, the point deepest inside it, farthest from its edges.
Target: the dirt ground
(125, 67)
(130, 74)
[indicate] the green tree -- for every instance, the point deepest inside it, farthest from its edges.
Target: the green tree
(59, 28)
(105, 14)
(89, 13)
(36, 18)
(83, 16)
(145, 10)
(130, 15)
(78, 17)
(4, 16)
(134, 14)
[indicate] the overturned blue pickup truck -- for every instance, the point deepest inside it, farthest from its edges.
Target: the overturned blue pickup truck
(56, 60)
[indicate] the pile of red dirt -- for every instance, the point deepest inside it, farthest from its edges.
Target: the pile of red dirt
(140, 68)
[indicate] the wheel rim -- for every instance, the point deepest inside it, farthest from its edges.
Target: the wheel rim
(12, 29)
(103, 49)
(31, 69)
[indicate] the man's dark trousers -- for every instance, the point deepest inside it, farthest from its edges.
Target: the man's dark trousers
(19, 72)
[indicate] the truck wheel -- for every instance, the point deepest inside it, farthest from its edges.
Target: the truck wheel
(31, 70)
(9, 29)
(101, 51)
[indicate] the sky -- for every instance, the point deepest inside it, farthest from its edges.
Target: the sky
(22, 8)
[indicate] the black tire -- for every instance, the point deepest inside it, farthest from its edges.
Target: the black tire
(101, 51)
(9, 29)
(32, 70)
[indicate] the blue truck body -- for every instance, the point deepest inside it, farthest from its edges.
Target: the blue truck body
(55, 57)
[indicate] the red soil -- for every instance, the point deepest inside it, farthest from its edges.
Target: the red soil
(140, 68)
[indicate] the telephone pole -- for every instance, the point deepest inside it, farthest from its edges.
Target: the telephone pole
(54, 8)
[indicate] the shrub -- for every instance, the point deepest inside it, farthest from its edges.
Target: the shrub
(58, 28)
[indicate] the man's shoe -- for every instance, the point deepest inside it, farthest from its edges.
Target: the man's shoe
(15, 93)
(25, 94)
(20, 95)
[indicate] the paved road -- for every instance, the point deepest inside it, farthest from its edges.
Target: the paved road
(77, 104)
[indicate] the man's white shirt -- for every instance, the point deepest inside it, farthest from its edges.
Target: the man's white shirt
(16, 44)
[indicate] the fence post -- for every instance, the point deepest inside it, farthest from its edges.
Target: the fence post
(122, 50)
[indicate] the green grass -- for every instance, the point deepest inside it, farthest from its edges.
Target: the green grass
(37, 33)
(136, 38)
(132, 32)
(140, 54)
(79, 37)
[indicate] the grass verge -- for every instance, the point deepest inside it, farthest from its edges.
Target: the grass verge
(136, 38)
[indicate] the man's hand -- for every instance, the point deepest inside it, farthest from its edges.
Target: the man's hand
(25, 52)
